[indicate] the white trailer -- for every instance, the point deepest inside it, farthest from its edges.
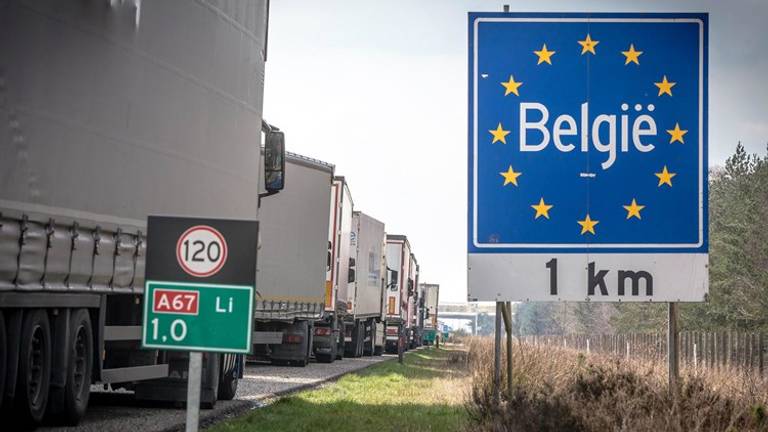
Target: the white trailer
(399, 266)
(431, 297)
(413, 330)
(290, 294)
(328, 343)
(365, 288)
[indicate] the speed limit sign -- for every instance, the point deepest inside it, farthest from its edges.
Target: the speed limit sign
(200, 283)
(201, 251)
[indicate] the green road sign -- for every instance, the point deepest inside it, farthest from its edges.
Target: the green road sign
(197, 317)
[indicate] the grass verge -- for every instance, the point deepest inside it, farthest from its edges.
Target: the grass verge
(426, 393)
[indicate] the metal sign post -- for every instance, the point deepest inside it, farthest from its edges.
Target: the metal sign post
(507, 309)
(199, 289)
(673, 354)
(193, 390)
(497, 354)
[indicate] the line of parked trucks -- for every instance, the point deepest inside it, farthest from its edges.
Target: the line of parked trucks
(331, 282)
(113, 111)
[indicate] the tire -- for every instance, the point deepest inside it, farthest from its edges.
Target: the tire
(330, 357)
(340, 345)
(34, 375)
(360, 340)
(378, 351)
(372, 343)
(77, 389)
(227, 383)
(228, 386)
(3, 357)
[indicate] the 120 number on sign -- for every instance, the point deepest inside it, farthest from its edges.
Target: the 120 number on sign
(201, 251)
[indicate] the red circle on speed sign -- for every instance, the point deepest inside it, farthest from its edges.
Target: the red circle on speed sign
(201, 251)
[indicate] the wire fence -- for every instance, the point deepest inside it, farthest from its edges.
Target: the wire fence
(731, 350)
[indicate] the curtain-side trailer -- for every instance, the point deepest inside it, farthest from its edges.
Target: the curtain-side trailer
(364, 294)
(290, 294)
(114, 111)
(328, 342)
(399, 265)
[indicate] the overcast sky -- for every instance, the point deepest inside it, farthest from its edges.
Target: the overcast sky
(379, 88)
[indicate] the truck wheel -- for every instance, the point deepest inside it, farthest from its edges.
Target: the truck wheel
(340, 345)
(34, 375)
(228, 386)
(77, 390)
(3, 357)
(371, 347)
(330, 357)
(228, 368)
(360, 339)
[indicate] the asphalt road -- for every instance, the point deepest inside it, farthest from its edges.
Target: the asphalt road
(110, 412)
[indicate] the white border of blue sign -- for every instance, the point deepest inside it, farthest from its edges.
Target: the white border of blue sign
(701, 246)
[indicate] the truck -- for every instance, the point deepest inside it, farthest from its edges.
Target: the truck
(413, 331)
(364, 293)
(431, 297)
(329, 332)
(114, 112)
(399, 291)
(291, 267)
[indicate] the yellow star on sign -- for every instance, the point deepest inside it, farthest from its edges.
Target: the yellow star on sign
(633, 209)
(511, 86)
(665, 177)
(587, 225)
(544, 55)
(665, 86)
(542, 209)
(510, 176)
(677, 134)
(588, 45)
(632, 55)
(499, 134)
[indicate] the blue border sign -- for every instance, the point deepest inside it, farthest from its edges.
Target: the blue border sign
(587, 134)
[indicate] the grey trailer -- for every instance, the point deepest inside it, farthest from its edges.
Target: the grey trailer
(114, 111)
(365, 288)
(290, 279)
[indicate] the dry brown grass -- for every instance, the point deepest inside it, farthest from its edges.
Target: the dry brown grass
(557, 389)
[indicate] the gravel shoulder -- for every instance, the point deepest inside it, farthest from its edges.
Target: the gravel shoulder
(119, 412)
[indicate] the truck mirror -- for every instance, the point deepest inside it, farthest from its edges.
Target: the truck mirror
(274, 161)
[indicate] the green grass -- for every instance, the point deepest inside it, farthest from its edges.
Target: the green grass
(426, 393)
